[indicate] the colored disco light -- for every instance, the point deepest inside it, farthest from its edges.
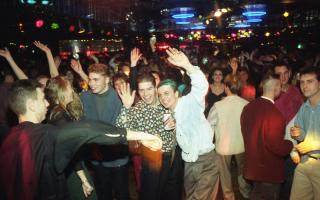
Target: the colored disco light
(254, 10)
(254, 13)
(183, 16)
(39, 23)
(286, 14)
(182, 22)
(242, 25)
(55, 26)
(254, 20)
(72, 28)
(45, 2)
(31, 2)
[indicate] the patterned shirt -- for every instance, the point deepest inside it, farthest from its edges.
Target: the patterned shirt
(149, 119)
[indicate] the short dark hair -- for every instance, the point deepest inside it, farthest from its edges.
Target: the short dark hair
(120, 75)
(146, 77)
(281, 63)
(20, 92)
(311, 70)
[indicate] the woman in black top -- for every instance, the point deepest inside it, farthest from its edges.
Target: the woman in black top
(66, 106)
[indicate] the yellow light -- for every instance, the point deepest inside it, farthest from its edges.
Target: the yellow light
(207, 22)
(218, 13)
(267, 34)
(224, 10)
(286, 14)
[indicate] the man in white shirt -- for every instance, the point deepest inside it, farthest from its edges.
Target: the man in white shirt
(193, 132)
(224, 118)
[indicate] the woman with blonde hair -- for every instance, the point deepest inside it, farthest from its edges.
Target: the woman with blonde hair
(66, 106)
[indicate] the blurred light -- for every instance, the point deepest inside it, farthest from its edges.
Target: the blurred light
(254, 10)
(233, 35)
(182, 22)
(39, 23)
(218, 13)
(81, 30)
(254, 20)
(207, 22)
(31, 1)
(166, 36)
(163, 47)
(254, 14)
(55, 26)
(242, 25)
(81, 27)
(267, 34)
(72, 28)
(198, 27)
(182, 16)
(300, 46)
(286, 14)
(88, 53)
(224, 10)
(44, 2)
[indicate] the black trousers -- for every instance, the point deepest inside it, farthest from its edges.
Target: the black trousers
(111, 179)
(165, 184)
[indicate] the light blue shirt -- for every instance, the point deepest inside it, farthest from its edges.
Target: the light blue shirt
(308, 118)
(194, 133)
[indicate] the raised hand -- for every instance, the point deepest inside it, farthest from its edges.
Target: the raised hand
(234, 64)
(5, 53)
(76, 66)
(42, 47)
(178, 58)
(126, 96)
(135, 55)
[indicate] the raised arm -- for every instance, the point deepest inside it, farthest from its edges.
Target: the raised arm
(16, 69)
(77, 67)
(52, 65)
(179, 59)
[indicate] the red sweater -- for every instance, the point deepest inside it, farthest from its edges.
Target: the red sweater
(263, 128)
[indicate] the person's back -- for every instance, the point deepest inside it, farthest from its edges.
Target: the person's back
(28, 171)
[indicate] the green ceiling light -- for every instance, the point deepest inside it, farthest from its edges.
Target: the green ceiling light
(55, 26)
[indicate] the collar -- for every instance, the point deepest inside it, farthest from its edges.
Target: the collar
(267, 98)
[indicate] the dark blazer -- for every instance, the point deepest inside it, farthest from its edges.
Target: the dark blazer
(263, 128)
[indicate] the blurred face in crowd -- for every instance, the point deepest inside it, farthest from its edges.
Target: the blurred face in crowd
(243, 76)
(168, 97)
(284, 74)
(147, 92)
(310, 85)
(217, 76)
(39, 106)
(98, 83)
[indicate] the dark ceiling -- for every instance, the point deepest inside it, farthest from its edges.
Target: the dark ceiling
(141, 15)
